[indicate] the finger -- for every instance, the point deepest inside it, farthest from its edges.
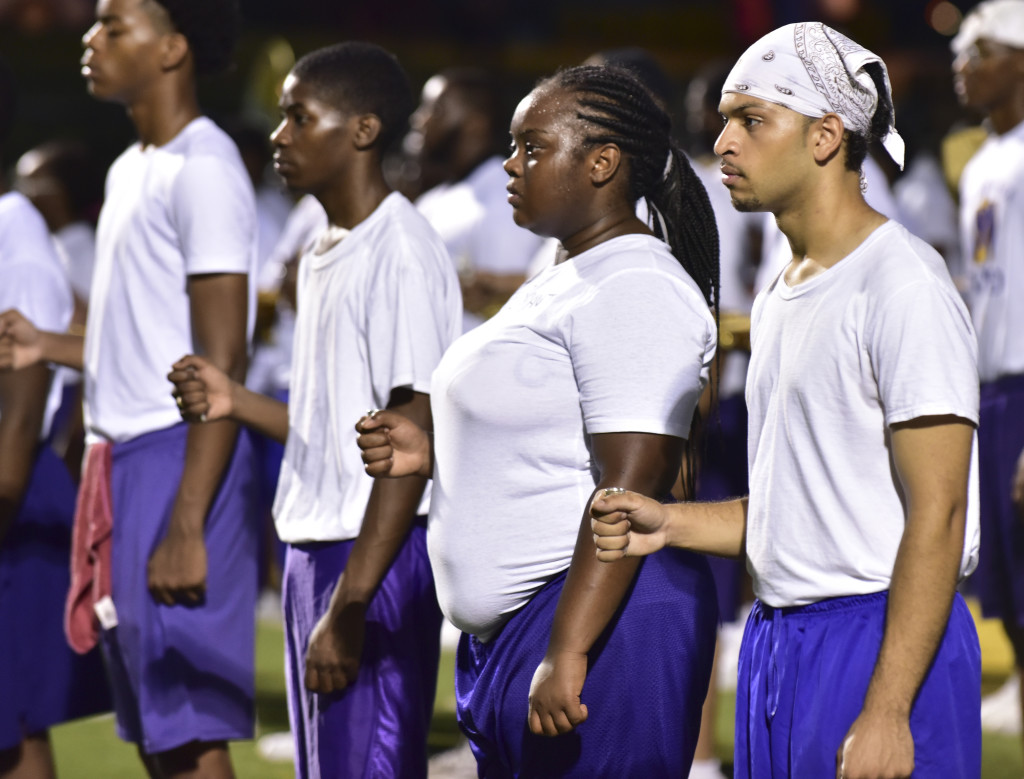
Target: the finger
(561, 722)
(373, 441)
(547, 725)
(534, 720)
(605, 503)
(312, 678)
(612, 543)
(609, 557)
(379, 468)
(189, 361)
(369, 421)
(612, 525)
(338, 679)
(377, 454)
(578, 715)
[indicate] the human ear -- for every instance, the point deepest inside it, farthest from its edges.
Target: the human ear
(367, 131)
(604, 161)
(175, 51)
(827, 137)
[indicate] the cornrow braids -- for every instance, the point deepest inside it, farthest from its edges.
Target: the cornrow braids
(620, 110)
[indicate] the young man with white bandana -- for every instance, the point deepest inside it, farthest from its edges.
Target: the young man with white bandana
(859, 659)
(989, 76)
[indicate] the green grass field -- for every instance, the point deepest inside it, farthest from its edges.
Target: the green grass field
(89, 749)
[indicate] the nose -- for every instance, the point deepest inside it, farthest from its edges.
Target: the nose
(724, 142)
(279, 136)
(511, 165)
(90, 36)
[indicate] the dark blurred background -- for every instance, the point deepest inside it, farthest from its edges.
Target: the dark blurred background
(520, 39)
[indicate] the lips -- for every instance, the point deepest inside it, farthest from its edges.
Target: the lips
(730, 175)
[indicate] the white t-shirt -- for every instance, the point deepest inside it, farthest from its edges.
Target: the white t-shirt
(617, 339)
(76, 244)
(881, 337)
(926, 206)
(375, 312)
(32, 278)
(170, 212)
(992, 228)
(474, 219)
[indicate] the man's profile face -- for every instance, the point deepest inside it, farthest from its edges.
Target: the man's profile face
(987, 74)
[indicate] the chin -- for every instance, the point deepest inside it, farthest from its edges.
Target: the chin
(748, 206)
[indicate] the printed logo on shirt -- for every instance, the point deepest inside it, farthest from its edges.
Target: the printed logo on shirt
(984, 231)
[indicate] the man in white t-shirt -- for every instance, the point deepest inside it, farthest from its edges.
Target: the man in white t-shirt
(378, 304)
(42, 682)
(858, 658)
(175, 264)
(458, 132)
(989, 76)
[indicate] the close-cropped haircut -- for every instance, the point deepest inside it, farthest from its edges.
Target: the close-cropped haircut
(858, 144)
(361, 78)
(616, 108)
(481, 92)
(211, 28)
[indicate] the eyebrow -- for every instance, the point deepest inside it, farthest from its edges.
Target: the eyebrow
(758, 105)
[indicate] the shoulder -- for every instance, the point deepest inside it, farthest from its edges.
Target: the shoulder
(403, 239)
(23, 231)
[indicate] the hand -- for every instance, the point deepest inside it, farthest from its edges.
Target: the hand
(627, 524)
(335, 650)
(203, 391)
(177, 569)
(876, 747)
(555, 706)
(20, 341)
(1017, 488)
(393, 446)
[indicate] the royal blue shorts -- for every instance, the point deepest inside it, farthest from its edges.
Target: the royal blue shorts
(42, 682)
(803, 675)
(377, 727)
(646, 681)
(181, 673)
(999, 578)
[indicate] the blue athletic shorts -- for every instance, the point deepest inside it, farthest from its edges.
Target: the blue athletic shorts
(646, 682)
(42, 682)
(803, 675)
(377, 727)
(181, 673)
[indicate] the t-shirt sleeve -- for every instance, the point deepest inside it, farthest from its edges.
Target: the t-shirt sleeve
(640, 349)
(924, 354)
(214, 210)
(408, 327)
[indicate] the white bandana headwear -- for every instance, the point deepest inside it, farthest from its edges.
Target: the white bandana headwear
(814, 70)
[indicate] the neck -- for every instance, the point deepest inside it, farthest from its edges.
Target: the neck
(1008, 114)
(828, 223)
(164, 110)
(612, 224)
(355, 196)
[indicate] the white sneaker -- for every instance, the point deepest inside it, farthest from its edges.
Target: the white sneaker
(276, 747)
(1000, 710)
(455, 763)
(706, 769)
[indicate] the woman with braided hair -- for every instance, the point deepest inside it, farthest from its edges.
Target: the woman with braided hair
(588, 377)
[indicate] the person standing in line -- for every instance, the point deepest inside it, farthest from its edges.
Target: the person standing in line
(42, 682)
(858, 659)
(588, 376)
(166, 509)
(458, 130)
(989, 76)
(377, 305)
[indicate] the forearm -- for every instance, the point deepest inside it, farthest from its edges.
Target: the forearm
(259, 412)
(208, 450)
(920, 594)
(18, 447)
(389, 517)
(63, 349)
(718, 529)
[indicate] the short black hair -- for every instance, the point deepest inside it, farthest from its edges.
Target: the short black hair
(859, 143)
(75, 166)
(211, 28)
(483, 93)
(361, 78)
(8, 102)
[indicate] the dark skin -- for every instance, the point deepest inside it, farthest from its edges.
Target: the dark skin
(22, 405)
(579, 197)
(332, 154)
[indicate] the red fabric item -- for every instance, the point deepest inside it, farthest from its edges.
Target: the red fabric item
(91, 542)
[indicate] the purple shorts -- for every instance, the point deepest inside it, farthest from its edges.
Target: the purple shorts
(647, 677)
(723, 475)
(42, 682)
(377, 727)
(181, 673)
(999, 578)
(803, 675)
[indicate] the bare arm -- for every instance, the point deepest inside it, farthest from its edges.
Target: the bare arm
(593, 590)
(177, 568)
(336, 644)
(22, 405)
(22, 345)
(932, 457)
(631, 525)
